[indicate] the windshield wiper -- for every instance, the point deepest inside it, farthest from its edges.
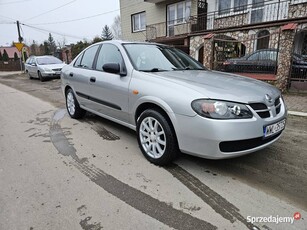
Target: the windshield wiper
(154, 70)
(187, 68)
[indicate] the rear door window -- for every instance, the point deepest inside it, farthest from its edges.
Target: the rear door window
(88, 57)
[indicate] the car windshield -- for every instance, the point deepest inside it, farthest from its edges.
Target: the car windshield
(48, 60)
(154, 58)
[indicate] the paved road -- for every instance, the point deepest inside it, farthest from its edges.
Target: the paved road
(59, 173)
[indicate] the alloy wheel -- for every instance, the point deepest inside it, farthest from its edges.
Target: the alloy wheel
(152, 137)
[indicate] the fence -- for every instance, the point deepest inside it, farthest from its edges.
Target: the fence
(10, 66)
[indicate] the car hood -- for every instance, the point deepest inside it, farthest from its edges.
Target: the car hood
(53, 66)
(222, 86)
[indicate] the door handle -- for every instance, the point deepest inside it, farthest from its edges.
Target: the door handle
(92, 79)
(71, 74)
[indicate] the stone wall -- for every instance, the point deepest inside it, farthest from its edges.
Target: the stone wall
(297, 11)
(285, 57)
(285, 39)
(231, 21)
(195, 43)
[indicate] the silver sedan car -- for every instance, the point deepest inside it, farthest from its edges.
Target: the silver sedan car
(172, 101)
(43, 67)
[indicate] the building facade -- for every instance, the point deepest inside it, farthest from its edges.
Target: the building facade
(213, 31)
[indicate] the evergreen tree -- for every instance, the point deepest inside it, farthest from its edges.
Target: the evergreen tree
(15, 56)
(46, 48)
(1, 56)
(51, 44)
(96, 39)
(77, 48)
(41, 49)
(106, 33)
(5, 56)
(25, 55)
(34, 48)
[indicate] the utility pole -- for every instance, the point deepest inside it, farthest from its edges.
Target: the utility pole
(20, 39)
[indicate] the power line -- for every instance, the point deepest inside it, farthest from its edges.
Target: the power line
(77, 19)
(12, 19)
(7, 3)
(54, 32)
(51, 10)
(6, 22)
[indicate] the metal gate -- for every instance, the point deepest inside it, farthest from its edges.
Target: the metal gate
(225, 48)
(255, 56)
(298, 73)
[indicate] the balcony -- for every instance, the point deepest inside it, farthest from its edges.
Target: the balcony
(249, 15)
(236, 17)
(167, 29)
(154, 1)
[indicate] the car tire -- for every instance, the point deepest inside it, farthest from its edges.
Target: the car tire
(156, 137)
(27, 72)
(40, 76)
(73, 108)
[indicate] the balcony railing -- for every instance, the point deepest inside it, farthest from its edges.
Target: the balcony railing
(168, 29)
(250, 14)
(234, 17)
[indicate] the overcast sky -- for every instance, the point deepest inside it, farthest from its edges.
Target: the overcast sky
(37, 15)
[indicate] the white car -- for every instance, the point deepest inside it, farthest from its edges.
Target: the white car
(43, 67)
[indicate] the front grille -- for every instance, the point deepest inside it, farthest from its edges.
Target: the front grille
(236, 146)
(59, 69)
(261, 109)
(277, 105)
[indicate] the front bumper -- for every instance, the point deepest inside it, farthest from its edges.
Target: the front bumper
(218, 139)
(52, 74)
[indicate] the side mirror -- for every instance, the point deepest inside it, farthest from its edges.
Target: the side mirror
(33, 64)
(113, 68)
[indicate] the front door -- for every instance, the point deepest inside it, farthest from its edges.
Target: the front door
(108, 91)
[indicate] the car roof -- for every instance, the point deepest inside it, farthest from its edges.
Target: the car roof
(123, 42)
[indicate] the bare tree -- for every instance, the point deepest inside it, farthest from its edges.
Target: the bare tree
(116, 28)
(62, 43)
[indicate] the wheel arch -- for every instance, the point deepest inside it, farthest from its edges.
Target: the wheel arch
(159, 106)
(67, 87)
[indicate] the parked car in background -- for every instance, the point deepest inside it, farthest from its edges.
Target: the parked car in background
(172, 101)
(43, 67)
(264, 61)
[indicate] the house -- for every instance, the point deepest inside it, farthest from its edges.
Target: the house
(213, 31)
(160, 21)
(11, 50)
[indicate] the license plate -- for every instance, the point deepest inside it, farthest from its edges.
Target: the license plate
(274, 128)
(58, 72)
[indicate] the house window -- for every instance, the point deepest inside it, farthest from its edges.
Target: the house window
(138, 22)
(176, 14)
(257, 11)
(224, 6)
(239, 5)
(263, 39)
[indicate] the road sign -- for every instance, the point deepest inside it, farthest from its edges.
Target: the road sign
(18, 45)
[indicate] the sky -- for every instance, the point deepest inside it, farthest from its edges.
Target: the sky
(39, 17)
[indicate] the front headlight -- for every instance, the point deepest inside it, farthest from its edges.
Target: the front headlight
(221, 109)
(47, 70)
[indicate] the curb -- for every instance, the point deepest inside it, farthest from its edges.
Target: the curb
(294, 113)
